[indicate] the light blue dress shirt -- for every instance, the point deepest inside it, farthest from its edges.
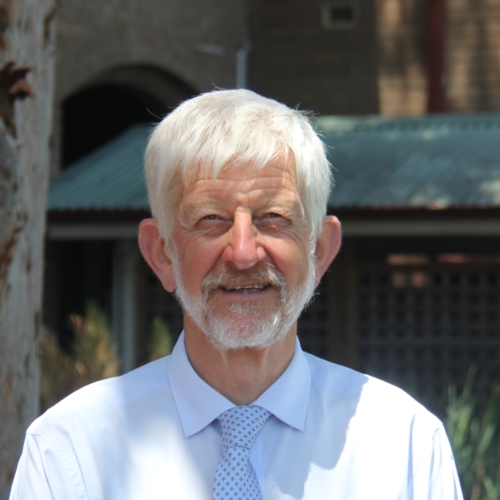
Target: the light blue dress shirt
(153, 434)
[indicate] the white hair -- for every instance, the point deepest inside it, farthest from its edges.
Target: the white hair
(238, 127)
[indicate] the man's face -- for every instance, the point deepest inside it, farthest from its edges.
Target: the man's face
(243, 260)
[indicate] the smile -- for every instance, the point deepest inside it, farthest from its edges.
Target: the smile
(247, 288)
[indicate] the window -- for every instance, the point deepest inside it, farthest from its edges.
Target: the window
(339, 14)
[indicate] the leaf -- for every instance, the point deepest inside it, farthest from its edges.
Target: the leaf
(492, 491)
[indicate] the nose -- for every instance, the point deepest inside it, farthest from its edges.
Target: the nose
(243, 251)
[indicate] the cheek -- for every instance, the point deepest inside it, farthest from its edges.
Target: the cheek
(292, 259)
(197, 260)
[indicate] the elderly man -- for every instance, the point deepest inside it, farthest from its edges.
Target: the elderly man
(238, 186)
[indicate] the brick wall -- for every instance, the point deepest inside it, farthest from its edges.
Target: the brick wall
(472, 76)
(194, 40)
(375, 66)
(168, 49)
(402, 82)
(296, 59)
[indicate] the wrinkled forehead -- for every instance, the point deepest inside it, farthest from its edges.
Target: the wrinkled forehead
(240, 167)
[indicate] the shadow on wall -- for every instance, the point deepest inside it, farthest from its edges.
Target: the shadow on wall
(473, 61)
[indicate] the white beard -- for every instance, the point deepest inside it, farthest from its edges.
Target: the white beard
(227, 331)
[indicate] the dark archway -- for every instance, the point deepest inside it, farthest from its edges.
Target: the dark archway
(96, 115)
(112, 103)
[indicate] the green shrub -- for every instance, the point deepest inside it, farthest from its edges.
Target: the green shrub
(93, 357)
(160, 340)
(473, 426)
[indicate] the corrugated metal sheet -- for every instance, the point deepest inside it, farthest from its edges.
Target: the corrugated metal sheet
(110, 178)
(439, 161)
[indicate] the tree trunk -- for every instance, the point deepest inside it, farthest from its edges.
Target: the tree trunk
(27, 37)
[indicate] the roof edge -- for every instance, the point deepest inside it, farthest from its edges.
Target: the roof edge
(415, 213)
(97, 216)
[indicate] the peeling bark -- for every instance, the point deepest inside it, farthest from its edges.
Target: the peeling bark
(13, 85)
(27, 39)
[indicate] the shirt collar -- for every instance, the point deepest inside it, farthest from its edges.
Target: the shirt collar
(199, 404)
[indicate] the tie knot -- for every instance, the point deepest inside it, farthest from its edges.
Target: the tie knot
(241, 424)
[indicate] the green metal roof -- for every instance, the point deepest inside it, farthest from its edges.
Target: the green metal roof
(434, 161)
(110, 178)
(438, 161)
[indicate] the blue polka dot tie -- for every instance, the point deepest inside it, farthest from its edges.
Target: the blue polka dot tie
(235, 478)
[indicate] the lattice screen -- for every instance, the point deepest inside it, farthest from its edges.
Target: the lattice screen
(159, 302)
(422, 327)
(313, 328)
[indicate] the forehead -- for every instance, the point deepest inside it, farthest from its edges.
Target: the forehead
(277, 176)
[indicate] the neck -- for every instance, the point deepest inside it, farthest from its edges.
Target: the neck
(240, 375)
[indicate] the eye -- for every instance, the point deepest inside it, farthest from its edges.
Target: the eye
(212, 224)
(274, 221)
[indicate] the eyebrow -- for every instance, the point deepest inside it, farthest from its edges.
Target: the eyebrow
(202, 203)
(281, 201)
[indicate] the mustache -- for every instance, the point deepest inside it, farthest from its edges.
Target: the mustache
(265, 274)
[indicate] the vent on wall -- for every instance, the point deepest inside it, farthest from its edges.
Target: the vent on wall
(339, 14)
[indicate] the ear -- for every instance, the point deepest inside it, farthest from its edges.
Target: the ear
(327, 246)
(154, 250)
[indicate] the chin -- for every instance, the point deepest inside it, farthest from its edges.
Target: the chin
(255, 333)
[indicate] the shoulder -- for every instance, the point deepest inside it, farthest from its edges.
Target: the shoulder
(110, 393)
(374, 399)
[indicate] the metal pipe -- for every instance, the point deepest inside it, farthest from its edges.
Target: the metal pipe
(242, 63)
(435, 47)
